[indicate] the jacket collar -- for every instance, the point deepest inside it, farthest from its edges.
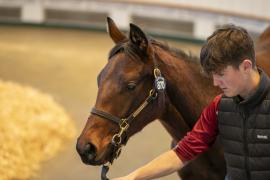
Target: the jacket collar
(259, 95)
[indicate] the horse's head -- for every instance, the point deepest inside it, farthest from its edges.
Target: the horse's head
(125, 102)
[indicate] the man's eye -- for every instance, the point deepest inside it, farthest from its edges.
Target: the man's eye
(221, 74)
(131, 85)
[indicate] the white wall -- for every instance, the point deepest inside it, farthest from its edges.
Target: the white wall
(250, 7)
(205, 14)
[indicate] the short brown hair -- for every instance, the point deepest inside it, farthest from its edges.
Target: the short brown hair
(228, 45)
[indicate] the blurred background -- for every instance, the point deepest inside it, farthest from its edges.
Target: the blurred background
(58, 47)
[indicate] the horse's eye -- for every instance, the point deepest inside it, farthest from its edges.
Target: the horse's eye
(131, 85)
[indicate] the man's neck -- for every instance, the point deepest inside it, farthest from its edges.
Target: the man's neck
(252, 85)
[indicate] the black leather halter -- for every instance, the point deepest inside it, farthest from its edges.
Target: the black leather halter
(124, 123)
(152, 95)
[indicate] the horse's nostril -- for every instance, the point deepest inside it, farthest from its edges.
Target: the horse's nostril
(91, 156)
(90, 151)
(87, 147)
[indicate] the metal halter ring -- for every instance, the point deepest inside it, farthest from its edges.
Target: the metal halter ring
(153, 94)
(116, 139)
(157, 72)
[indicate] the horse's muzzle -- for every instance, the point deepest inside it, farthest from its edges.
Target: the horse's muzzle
(87, 153)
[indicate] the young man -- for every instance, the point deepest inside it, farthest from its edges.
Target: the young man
(241, 115)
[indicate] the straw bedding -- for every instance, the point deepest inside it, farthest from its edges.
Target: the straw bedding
(33, 128)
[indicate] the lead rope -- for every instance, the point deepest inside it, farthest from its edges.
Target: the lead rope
(104, 170)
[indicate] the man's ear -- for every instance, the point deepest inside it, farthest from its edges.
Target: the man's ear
(116, 35)
(247, 65)
(138, 38)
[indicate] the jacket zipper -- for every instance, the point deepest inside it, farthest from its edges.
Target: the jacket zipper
(246, 152)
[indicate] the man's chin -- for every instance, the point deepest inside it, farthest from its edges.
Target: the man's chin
(228, 94)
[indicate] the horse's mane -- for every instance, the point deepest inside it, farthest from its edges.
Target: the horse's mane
(179, 53)
(134, 52)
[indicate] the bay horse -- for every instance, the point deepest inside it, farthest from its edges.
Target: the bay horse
(263, 50)
(129, 87)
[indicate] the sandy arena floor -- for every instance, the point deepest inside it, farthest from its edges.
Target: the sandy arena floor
(65, 63)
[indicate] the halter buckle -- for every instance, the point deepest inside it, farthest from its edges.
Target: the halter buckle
(117, 138)
(124, 124)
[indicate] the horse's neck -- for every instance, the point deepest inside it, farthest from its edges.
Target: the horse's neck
(263, 51)
(188, 90)
(173, 122)
(265, 36)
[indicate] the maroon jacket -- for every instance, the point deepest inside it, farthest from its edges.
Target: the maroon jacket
(203, 134)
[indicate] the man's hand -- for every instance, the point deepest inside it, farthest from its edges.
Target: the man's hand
(125, 178)
(163, 165)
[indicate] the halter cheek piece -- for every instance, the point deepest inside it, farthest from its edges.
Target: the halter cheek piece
(124, 123)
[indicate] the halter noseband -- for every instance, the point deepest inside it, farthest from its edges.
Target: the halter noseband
(124, 122)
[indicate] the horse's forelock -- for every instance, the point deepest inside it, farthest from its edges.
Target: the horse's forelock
(116, 49)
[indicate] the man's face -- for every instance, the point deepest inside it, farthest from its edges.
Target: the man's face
(231, 81)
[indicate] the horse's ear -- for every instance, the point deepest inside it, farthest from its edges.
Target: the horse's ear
(116, 35)
(138, 38)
